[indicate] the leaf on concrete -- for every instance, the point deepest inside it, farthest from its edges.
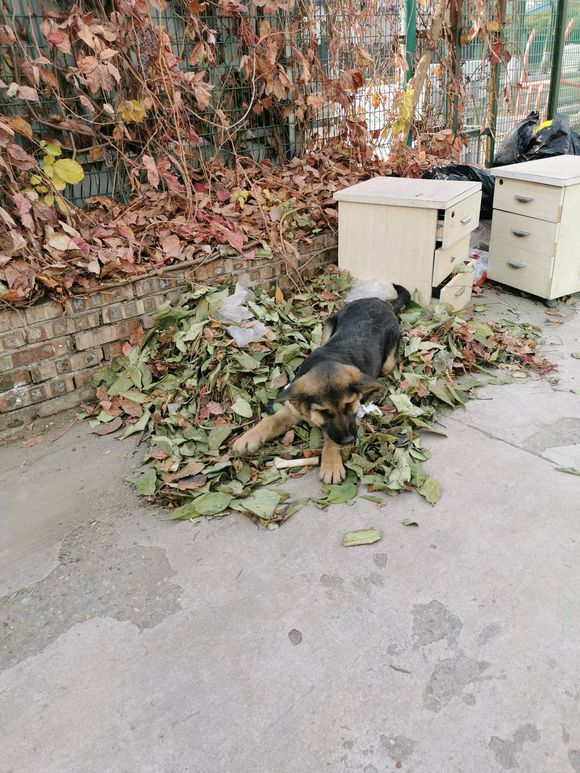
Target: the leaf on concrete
(361, 537)
(146, 482)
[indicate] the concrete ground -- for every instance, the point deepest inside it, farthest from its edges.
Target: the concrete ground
(129, 643)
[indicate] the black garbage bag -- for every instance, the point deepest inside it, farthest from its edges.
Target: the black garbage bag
(529, 140)
(554, 139)
(467, 173)
(514, 147)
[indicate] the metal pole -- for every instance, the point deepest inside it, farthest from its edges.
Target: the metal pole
(557, 56)
(494, 86)
(410, 36)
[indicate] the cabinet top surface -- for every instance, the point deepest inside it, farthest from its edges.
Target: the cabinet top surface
(559, 170)
(404, 192)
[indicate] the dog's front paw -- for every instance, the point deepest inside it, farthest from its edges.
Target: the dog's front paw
(249, 442)
(332, 471)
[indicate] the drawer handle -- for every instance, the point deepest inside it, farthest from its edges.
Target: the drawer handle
(524, 199)
(466, 220)
(459, 292)
(517, 232)
(515, 265)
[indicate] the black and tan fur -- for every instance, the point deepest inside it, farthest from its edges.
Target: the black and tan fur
(359, 344)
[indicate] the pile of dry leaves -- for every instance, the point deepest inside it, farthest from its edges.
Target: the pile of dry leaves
(188, 389)
(254, 210)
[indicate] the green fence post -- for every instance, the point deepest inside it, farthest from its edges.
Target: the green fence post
(409, 28)
(557, 56)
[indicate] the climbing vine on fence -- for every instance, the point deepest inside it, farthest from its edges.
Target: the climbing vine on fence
(191, 121)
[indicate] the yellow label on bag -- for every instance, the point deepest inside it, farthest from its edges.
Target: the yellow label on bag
(542, 126)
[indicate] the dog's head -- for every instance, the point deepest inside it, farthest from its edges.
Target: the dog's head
(329, 396)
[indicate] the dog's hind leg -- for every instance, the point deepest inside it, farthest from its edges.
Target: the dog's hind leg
(270, 427)
(331, 466)
(390, 363)
(328, 330)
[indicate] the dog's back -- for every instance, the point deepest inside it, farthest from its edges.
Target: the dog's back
(364, 333)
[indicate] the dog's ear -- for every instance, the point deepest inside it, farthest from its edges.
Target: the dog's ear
(367, 385)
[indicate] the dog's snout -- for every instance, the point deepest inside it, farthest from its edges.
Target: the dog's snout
(347, 441)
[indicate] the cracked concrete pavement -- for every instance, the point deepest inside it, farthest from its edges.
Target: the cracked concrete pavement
(130, 643)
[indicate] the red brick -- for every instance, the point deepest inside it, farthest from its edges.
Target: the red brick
(21, 397)
(32, 354)
(18, 418)
(43, 312)
(64, 365)
(16, 378)
(114, 295)
(154, 284)
(84, 377)
(112, 350)
(12, 340)
(204, 272)
(77, 305)
(44, 371)
(11, 319)
(6, 363)
(150, 303)
(119, 311)
(106, 334)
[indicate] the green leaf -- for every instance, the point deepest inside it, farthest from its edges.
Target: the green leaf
(361, 537)
(409, 522)
(338, 494)
(53, 150)
(145, 483)
(69, 170)
(481, 328)
(287, 353)
(404, 405)
(439, 389)
(570, 470)
(246, 362)
(263, 503)
(208, 504)
(576, 355)
(217, 436)
(430, 490)
(242, 408)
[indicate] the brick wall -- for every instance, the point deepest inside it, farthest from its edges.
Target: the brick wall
(49, 352)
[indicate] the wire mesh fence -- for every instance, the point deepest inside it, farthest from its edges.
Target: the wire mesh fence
(503, 71)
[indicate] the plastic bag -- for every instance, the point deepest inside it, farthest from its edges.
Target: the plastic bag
(552, 138)
(530, 140)
(247, 335)
(480, 260)
(513, 149)
(233, 309)
(372, 289)
(464, 172)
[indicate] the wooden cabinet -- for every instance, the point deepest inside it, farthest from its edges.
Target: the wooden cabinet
(535, 230)
(411, 232)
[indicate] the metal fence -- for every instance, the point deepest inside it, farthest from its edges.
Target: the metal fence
(536, 65)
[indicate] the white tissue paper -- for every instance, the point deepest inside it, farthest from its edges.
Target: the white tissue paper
(365, 410)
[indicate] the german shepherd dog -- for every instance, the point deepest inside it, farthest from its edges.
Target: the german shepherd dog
(359, 343)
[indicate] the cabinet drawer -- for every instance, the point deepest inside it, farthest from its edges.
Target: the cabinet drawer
(446, 258)
(457, 291)
(459, 221)
(516, 232)
(543, 202)
(522, 269)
